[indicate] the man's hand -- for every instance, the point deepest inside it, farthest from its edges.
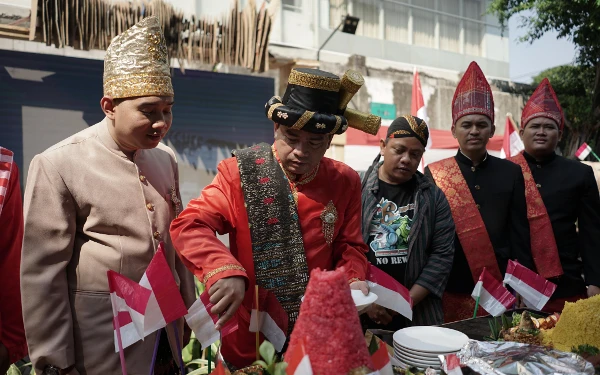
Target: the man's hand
(593, 290)
(360, 285)
(379, 314)
(226, 295)
(4, 361)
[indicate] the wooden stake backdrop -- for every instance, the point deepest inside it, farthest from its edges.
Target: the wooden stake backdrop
(239, 37)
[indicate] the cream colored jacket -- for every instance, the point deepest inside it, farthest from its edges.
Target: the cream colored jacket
(89, 209)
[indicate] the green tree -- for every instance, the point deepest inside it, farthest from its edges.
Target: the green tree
(578, 21)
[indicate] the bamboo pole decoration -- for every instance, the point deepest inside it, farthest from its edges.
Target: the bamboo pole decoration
(238, 37)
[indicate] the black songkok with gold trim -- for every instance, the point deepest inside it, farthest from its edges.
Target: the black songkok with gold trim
(409, 126)
(316, 101)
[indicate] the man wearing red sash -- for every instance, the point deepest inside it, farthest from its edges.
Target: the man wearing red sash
(486, 197)
(286, 207)
(560, 193)
(13, 345)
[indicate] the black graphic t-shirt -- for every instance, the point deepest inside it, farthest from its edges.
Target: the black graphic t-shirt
(389, 234)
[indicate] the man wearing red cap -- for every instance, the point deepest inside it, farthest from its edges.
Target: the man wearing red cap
(560, 193)
(486, 197)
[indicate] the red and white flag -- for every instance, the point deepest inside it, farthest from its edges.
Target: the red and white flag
(381, 360)
(203, 322)
(583, 151)
(452, 365)
(269, 318)
(6, 161)
(535, 290)
(493, 296)
(298, 362)
(418, 109)
(390, 293)
(511, 144)
(129, 301)
(220, 369)
(165, 303)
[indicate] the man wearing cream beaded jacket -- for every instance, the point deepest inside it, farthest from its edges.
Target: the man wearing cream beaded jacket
(102, 199)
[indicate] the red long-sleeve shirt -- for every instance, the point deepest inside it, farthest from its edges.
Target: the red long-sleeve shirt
(220, 208)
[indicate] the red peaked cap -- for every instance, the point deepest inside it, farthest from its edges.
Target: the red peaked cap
(473, 95)
(543, 103)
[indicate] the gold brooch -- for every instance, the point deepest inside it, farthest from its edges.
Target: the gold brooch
(329, 217)
(320, 126)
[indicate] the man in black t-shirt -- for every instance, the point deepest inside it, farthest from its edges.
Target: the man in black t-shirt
(407, 225)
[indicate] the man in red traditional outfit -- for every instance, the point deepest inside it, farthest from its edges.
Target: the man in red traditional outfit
(486, 196)
(561, 195)
(287, 209)
(13, 345)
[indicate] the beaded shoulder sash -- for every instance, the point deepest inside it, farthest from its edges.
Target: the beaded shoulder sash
(277, 245)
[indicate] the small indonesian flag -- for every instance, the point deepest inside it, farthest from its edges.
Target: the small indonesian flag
(390, 293)
(418, 109)
(583, 151)
(220, 369)
(269, 318)
(6, 162)
(203, 322)
(511, 144)
(381, 360)
(129, 301)
(493, 297)
(298, 362)
(535, 290)
(165, 303)
(452, 365)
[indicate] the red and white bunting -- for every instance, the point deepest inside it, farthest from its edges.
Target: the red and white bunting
(493, 296)
(298, 362)
(129, 301)
(203, 322)
(511, 144)
(269, 318)
(452, 365)
(390, 293)
(164, 305)
(583, 151)
(6, 162)
(381, 360)
(535, 290)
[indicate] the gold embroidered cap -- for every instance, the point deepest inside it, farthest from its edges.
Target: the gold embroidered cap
(137, 63)
(316, 101)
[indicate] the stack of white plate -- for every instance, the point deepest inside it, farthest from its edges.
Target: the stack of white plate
(420, 346)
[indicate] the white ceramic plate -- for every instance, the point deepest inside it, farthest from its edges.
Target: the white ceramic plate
(417, 361)
(408, 356)
(430, 339)
(361, 301)
(420, 354)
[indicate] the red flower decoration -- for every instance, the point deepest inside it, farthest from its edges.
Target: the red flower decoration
(264, 180)
(260, 161)
(273, 220)
(268, 200)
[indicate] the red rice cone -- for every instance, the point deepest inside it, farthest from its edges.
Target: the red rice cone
(330, 326)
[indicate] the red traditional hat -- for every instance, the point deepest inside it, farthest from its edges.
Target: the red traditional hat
(543, 103)
(473, 96)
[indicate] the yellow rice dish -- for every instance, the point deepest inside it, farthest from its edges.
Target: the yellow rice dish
(579, 324)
